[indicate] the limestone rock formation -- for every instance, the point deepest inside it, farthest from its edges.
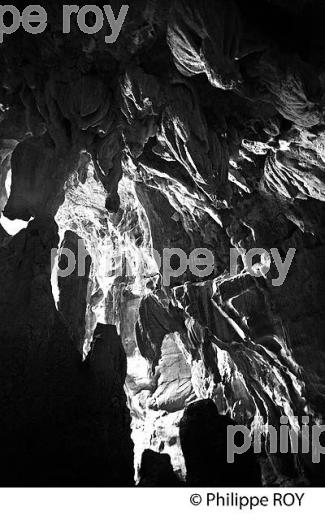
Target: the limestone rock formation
(157, 471)
(199, 131)
(208, 467)
(54, 430)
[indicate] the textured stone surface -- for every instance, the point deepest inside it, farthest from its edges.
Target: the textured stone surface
(202, 126)
(73, 288)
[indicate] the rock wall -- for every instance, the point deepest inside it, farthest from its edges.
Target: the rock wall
(202, 126)
(63, 422)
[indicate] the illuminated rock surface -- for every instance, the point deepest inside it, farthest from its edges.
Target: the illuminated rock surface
(201, 127)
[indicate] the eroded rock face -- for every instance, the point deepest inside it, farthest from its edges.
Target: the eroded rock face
(205, 38)
(52, 418)
(73, 286)
(105, 438)
(7, 146)
(208, 466)
(202, 126)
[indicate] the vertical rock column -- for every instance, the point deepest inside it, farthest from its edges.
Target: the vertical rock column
(62, 422)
